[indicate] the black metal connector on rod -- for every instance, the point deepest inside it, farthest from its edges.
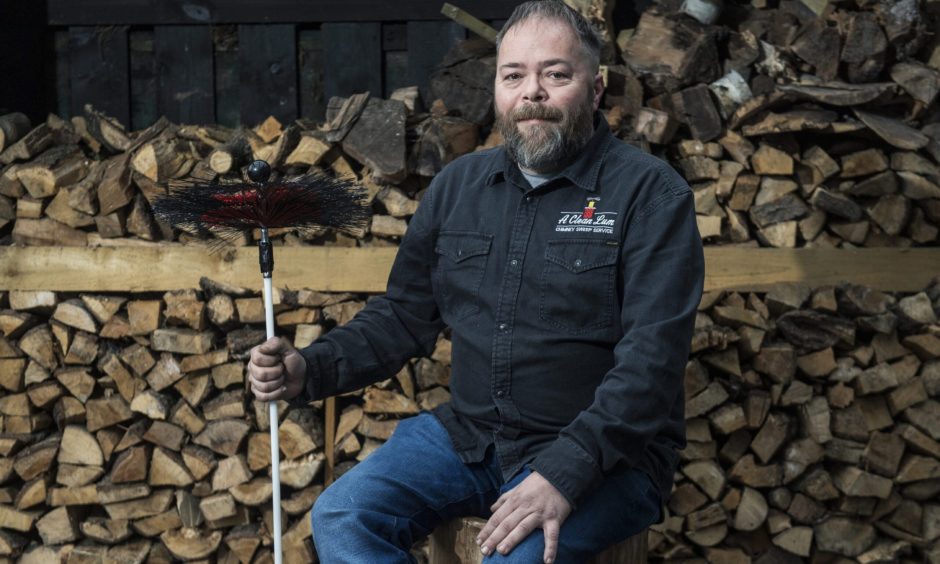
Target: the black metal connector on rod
(265, 254)
(259, 172)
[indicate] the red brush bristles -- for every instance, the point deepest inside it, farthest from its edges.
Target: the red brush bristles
(304, 203)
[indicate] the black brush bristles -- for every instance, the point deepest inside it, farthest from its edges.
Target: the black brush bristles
(305, 203)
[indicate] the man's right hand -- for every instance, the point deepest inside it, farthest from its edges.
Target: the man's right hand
(276, 370)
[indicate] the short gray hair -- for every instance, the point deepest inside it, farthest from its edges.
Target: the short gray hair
(558, 11)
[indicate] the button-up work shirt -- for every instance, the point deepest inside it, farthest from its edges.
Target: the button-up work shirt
(571, 308)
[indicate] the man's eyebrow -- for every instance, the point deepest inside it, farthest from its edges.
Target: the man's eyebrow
(545, 63)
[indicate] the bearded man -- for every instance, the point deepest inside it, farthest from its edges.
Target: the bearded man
(568, 267)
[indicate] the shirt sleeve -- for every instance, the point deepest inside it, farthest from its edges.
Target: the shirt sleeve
(391, 329)
(662, 268)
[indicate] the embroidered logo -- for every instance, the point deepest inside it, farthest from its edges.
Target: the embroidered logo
(588, 220)
(588, 212)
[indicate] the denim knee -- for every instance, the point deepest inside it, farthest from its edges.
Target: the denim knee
(327, 510)
(529, 551)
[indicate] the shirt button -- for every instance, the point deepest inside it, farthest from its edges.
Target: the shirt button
(577, 262)
(514, 262)
(459, 253)
(500, 393)
(502, 326)
(528, 198)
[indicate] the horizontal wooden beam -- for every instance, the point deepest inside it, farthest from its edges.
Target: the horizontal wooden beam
(160, 268)
(161, 12)
(341, 269)
(888, 269)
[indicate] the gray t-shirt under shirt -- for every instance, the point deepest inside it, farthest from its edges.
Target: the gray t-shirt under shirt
(535, 180)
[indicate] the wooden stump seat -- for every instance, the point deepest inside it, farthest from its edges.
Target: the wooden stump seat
(453, 543)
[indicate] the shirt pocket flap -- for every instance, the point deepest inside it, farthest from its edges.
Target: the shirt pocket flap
(459, 246)
(580, 255)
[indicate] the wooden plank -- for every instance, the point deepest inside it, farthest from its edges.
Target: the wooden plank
(338, 269)
(162, 12)
(428, 42)
(227, 91)
(143, 80)
(395, 56)
(267, 56)
(98, 62)
(471, 22)
(352, 59)
(904, 270)
(184, 73)
(63, 104)
(27, 46)
(312, 104)
(161, 268)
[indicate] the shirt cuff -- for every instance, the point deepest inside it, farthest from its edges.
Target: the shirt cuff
(320, 365)
(568, 468)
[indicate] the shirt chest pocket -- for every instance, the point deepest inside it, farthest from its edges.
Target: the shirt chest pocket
(461, 262)
(577, 286)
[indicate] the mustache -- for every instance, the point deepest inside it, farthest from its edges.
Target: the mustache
(536, 111)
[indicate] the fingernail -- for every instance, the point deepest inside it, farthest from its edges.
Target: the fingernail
(479, 540)
(501, 548)
(485, 550)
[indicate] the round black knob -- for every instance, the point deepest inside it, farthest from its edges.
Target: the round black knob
(259, 171)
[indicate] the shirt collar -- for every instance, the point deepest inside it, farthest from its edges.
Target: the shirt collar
(583, 171)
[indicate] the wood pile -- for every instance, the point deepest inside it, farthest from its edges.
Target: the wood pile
(794, 128)
(127, 432)
(814, 429)
(126, 428)
(89, 182)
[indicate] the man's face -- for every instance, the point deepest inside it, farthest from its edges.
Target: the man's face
(545, 95)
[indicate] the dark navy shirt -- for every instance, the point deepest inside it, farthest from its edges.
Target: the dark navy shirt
(571, 308)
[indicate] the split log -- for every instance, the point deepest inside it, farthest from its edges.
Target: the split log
(45, 174)
(13, 126)
(106, 130)
(30, 145)
(231, 155)
(669, 53)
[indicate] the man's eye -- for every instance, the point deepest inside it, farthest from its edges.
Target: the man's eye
(557, 75)
(512, 76)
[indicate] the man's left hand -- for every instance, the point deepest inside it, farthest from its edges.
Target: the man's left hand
(532, 504)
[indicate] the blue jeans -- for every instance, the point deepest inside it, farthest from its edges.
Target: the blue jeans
(376, 511)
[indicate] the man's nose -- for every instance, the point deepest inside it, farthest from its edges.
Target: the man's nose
(533, 91)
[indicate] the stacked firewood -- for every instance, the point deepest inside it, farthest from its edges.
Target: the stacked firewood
(814, 429)
(127, 429)
(815, 128)
(128, 433)
(794, 128)
(88, 182)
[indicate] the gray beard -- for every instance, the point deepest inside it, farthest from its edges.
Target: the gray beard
(548, 146)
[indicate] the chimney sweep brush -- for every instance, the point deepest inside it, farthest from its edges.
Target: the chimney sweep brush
(305, 204)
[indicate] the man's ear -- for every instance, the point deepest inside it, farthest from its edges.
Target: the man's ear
(598, 89)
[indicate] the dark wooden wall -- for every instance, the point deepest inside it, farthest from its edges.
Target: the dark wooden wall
(26, 53)
(235, 62)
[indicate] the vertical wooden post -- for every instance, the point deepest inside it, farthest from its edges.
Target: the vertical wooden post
(330, 448)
